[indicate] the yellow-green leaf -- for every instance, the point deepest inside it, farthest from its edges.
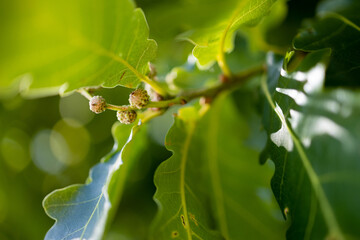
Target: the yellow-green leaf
(54, 47)
(213, 40)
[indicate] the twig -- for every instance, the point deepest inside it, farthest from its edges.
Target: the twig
(235, 81)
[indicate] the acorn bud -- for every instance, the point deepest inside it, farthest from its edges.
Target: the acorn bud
(139, 98)
(126, 117)
(97, 104)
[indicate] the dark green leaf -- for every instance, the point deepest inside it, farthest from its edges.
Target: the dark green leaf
(83, 211)
(56, 47)
(313, 138)
(213, 180)
(337, 27)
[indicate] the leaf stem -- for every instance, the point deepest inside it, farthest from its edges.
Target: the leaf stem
(119, 108)
(221, 56)
(154, 85)
(236, 80)
(181, 99)
(85, 93)
(223, 64)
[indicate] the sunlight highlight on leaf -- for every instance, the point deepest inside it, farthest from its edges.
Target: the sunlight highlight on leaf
(84, 210)
(213, 41)
(323, 143)
(65, 45)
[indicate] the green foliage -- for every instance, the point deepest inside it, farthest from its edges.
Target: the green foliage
(312, 138)
(211, 177)
(248, 92)
(189, 77)
(211, 41)
(57, 47)
(337, 28)
(182, 214)
(82, 211)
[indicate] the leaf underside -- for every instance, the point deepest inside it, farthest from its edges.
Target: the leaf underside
(83, 211)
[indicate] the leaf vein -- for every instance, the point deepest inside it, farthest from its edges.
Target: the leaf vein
(314, 180)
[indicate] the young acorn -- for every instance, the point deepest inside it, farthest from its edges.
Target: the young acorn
(97, 104)
(139, 98)
(126, 117)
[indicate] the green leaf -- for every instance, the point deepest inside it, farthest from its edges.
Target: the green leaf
(181, 213)
(258, 37)
(242, 58)
(56, 47)
(168, 19)
(213, 181)
(137, 208)
(213, 40)
(190, 77)
(83, 211)
(337, 27)
(313, 139)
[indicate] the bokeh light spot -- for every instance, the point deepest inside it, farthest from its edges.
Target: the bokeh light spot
(13, 148)
(75, 107)
(42, 155)
(77, 142)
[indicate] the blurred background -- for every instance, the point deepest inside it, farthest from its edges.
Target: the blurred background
(52, 142)
(46, 144)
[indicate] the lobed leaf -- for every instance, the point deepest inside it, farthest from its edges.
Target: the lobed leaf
(168, 19)
(181, 213)
(337, 27)
(218, 37)
(83, 211)
(55, 47)
(212, 187)
(313, 139)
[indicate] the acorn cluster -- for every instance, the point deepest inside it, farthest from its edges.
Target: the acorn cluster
(138, 99)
